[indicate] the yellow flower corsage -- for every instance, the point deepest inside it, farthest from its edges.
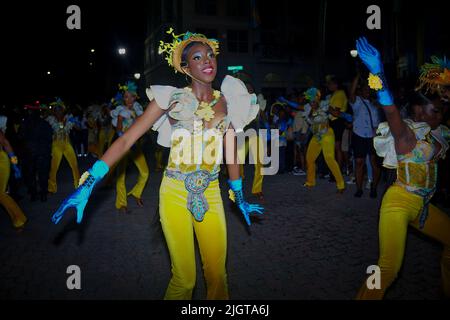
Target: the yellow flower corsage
(205, 112)
(14, 160)
(83, 178)
(375, 82)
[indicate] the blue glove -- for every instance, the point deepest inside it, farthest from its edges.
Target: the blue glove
(289, 103)
(14, 164)
(372, 59)
(245, 207)
(17, 172)
(80, 197)
(346, 116)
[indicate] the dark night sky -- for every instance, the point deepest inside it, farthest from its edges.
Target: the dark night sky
(35, 39)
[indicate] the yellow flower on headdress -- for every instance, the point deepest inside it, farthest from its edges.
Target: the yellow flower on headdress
(375, 82)
(174, 50)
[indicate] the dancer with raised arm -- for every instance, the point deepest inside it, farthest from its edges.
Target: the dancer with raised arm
(413, 147)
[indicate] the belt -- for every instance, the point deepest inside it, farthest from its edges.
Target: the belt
(195, 183)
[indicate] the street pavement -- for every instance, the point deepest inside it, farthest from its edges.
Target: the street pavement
(310, 244)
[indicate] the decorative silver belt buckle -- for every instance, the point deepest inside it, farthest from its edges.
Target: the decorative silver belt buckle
(196, 183)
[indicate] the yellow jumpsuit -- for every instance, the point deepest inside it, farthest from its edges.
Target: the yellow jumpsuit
(135, 154)
(17, 216)
(191, 182)
(179, 224)
(407, 203)
(322, 141)
(61, 146)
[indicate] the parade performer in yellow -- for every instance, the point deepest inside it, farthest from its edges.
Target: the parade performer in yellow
(123, 118)
(322, 141)
(62, 123)
(193, 121)
(413, 147)
(7, 160)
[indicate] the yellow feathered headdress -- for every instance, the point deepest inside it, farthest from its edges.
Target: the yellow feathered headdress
(174, 50)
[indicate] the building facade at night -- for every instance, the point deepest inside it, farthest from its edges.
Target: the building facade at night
(284, 46)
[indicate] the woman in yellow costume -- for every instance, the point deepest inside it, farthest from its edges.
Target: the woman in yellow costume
(413, 147)
(7, 159)
(61, 124)
(322, 141)
(123, 118)
(194, 122)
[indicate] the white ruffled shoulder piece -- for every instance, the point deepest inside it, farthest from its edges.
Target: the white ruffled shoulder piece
(138, 108)
(442, 135)
(162, 96)
(242, 107)
(115, 114)
(385, 145)
(53, 122)
(3, 121)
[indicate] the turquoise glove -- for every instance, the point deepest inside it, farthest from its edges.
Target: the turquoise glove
(245, 207)
(372, 59)
(80, 197)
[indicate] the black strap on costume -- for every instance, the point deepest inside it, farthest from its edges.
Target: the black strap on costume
(370, 113)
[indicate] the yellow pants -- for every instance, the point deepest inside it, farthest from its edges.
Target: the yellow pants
(17, 216)
(253, 144)
(325, 145)
(104, 140)
(399, 209)
(139, 160)
(62, 148)
(179, 226)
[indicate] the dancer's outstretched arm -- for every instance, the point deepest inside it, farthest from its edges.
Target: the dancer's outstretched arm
(404, 137)
(143, 123)
(118, 149)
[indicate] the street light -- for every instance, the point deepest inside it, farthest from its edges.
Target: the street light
(137, 76)
(92, 50)
(49, 73)
(122, 51)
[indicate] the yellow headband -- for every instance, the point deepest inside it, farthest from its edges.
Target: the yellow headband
(174, 50)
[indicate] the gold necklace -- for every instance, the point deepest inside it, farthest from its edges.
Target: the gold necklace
(205, 111)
